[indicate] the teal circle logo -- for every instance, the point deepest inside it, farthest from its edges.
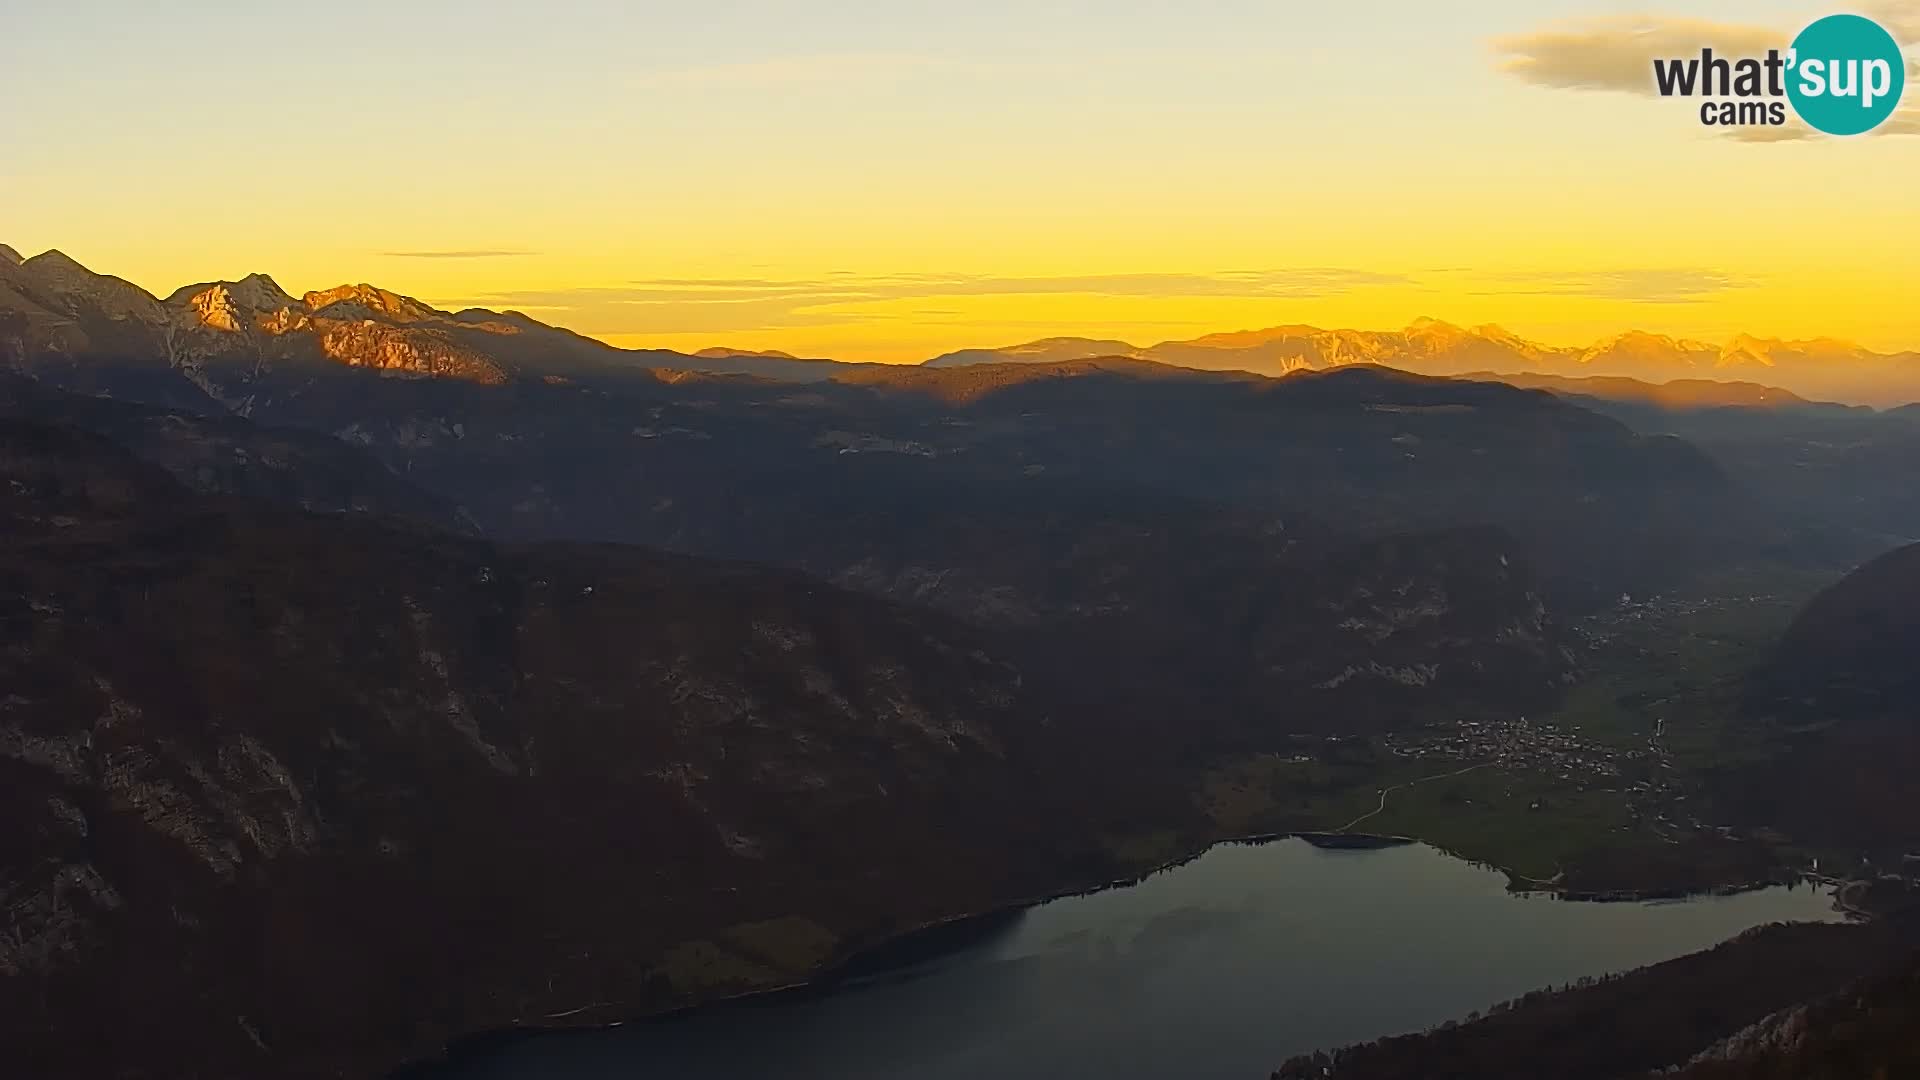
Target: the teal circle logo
(1845, 75)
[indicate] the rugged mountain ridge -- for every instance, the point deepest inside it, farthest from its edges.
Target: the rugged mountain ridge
(224, 335)
(237, 342)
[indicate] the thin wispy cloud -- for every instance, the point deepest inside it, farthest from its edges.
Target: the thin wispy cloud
(1616, 54)
(842, 288)
(677, 305)
(1642, 286)
(474, 253)
(1291, 282)
(1904, 122)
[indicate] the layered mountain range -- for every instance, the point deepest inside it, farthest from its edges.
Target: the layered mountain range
(1825, 369)
(350, 663)
(527, 427)
(490, 676)
(218, 334)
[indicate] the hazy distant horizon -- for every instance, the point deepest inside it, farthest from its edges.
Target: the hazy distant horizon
(871, 183)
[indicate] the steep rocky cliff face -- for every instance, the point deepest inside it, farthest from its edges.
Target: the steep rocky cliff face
(307, 794)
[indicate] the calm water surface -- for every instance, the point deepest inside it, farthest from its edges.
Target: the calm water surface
(1221, 968)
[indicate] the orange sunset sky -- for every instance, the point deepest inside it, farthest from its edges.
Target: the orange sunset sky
(890, 181)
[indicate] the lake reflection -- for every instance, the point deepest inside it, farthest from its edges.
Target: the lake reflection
(1220, 968)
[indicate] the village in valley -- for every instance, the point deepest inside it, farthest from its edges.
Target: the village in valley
(1626, 746)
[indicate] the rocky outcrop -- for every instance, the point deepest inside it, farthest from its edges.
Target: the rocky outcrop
(1865, 1030)
(363, 300)
(231, 342)
(404, 351)
(233, 306)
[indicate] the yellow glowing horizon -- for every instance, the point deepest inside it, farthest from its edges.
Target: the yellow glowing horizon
(892, 188)
(891, 321)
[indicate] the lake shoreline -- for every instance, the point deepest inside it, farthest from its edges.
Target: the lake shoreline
(899, 950)
(855, 965)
